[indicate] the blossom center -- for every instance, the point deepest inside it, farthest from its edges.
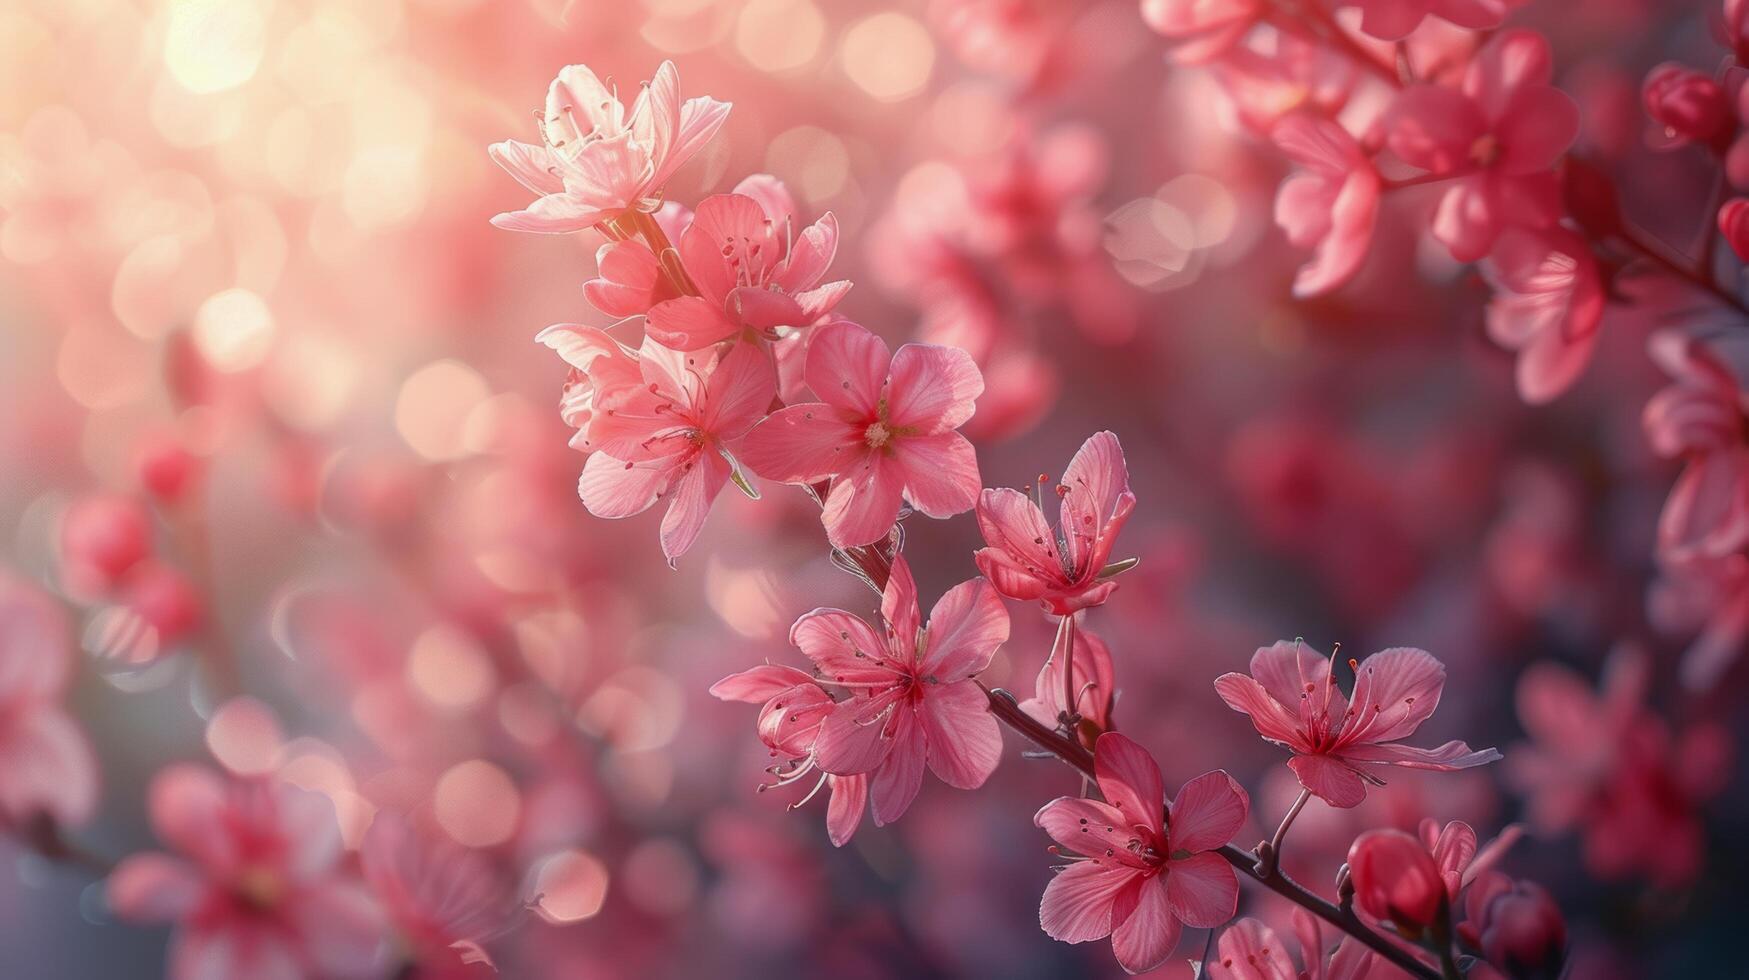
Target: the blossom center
(877, 435)
(259, 887)
(1485, 150)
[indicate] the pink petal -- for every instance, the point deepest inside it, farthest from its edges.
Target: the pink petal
(308, 826)
(1331, 780)
(847, 367)
(1008, 576)
(1449, 757)
(1245, 695)
(1089, 827)
(847, 747)
(773, 198)
(614, 489)
(1150, 933)
(153, 888)
(765, 310)
(737, 393)
(1433, 128)
(803, 444)
(532, 166)
(585, 348)
(1130, 779)
(655, 117)
(1452, 851)
(1515, 60)
(1098, 501)
(760, 683)
(689, 323)
(1203, 889)
(844, 649)
(693, 493)
(901, 611)
(844, 810)
(1288, 669)
(966, 626)
(864, 502)
(47, 767)
(1339, 256)
(896, 782)
(810, 257)
(229, 949)
(1076, 907)
(1319, 145)
(821, 300)
(1303, 206)
(1540, 125)
(1250, 950)
(940, 472)
(554, 214)
(1207, 812)
(700, 118)
(626, 279)
(1012, 523)
(187, 804)
(1396, 690)
(1391, 20)
(963, 738)
(1469, 217)
(932, 388)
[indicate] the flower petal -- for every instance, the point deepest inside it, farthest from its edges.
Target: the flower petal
(1394, 692)
(1130, 779)
(896, 782)
(864, 502)
(1250, 950)
(803, 443)
(963, 738)
(1076, 907)
(847, 367)
(844, 649)
(152, 888)
(760, 683)
(1207, 812)
(966, 626)
(1203, 889)
(932, 388)
(1330, 779)
(940, 472)
(844, 810)
(1150, 933)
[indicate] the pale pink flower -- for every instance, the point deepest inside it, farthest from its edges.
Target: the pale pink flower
(597, 159)
(257, 890)
(1250, 950)
(1330, 204)
(47, 769)
(599, 366)
(756, 273)
(913, 700)
(1393, 20)
(1548, 304)
(443, 900)
(794, 707)
(1026, 559)
(883, 431)
(671, 436)
(1203, 29)
(1139, 868)
(1700, 418)
(1338, 743)
(1095, 684)
(1497, 138)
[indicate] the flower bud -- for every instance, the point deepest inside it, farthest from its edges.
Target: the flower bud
(165, 467)
(1734, 225)
(1690, 105)
(1395, 879)
(1737, 28)
(102, 536)
(1517, 926)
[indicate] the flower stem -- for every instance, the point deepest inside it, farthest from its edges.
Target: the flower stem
(1269, 855)
(1660, 255)
(1071, 715)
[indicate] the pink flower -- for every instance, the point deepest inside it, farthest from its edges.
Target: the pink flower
(1498, 139)
(443, 900)
(671, 435)
(755, 273)
(1338, 744)
(1690, 106)
(1026, 559)
(1330, 204)
(599, 365)
(1139, 868)
(257, 891)
(1250, 950)
(883, 430)
(795, 705)
(598, 160)
(913, 700)
(47, 769)
(1095, 683)
(1392, 20)
(1204, 29)
(1267, 86)
(1700, 418)
(1547, 306)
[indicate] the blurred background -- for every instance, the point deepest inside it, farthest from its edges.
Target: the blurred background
(250, 303)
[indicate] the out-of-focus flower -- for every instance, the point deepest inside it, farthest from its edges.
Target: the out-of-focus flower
(671, 435)
(1061, 568)
(1143, 868)
(1497, 138)
(1547, 305)
(164, 599)
(47, 768)
(1517, 926)
(257, 891)
(1330, 204)
(1396, 880)
(883, 431)
(913, 700)
(1700, 418)
(1736, 25)
(103, 536)
(1250, 950)
(1393, 20)
(1688, 105)
(794, 707)
(597, 159)
(1094, 683)
(1734, 225)
(1203, 29)
(166, 468)
(444, 901)
(1292, 698)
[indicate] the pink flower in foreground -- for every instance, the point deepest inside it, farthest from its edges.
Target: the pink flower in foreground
(596, 159)
(913, 700)
(47, 769)
(670, 436)
(1393, 20)
(1026, 559)
(795, 705)
(1250, 950)
(599, 365)
(1700, 418)
(256, 891)
(1547, 306)
(1266, 85)
(1497, 139)
(1338, 744)
(443, 900)
(1330, 204)
(1095, 684)
(883, 430)
(1204, 29)
(1139, 868)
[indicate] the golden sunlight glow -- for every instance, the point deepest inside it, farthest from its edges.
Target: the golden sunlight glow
(213, 45)
(888, 55)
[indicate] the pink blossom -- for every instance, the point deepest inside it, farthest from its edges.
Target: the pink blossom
(1734, 225)
(1392, 20)
(1138, 867)
(103, 536)
(671, 436)
(596, 159)
(1396, 881)
(1095, 684)
(912, 697)
(444, 900)
(1203, 29)
(1700, 418)
(1689, 105)
(1330, 205)
(1547, 306)
(1250, 950)
(1497, 139)
(1516, 925)
(795, 706)
(1026, 559)
(1338, 744)
(883, 430)
(256, 890)
(1266, 87)
(47, 769)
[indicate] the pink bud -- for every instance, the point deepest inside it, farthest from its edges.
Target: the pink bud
(1517, 925)
(1396, 879)
(1734, 225)
(102, 536)
(163, 597)
(165, 466)
(1737, 28)
(1690, 105)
